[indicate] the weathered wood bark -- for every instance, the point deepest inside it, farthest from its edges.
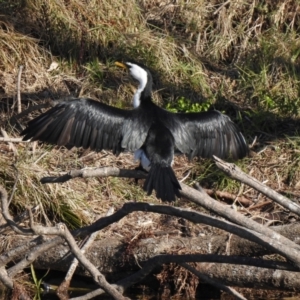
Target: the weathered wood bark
(252, 277)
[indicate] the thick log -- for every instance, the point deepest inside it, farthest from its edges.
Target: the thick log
(116, 258)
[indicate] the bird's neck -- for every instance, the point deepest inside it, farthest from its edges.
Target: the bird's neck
(143, 93)
(137, 98)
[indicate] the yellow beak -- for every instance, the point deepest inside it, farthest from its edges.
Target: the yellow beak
(119, 64)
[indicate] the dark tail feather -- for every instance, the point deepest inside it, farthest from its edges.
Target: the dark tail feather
(163, 180)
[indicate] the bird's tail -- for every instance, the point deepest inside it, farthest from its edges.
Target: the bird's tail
(162, 179)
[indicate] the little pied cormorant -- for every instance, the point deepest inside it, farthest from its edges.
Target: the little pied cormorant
(153, 132)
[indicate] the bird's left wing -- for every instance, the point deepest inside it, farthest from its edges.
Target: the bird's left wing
(90, 124)
(206, 134)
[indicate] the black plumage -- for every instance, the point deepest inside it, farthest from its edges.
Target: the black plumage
(90, 124)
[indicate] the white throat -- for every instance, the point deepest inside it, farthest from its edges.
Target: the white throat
(137, 96)
(141, 76)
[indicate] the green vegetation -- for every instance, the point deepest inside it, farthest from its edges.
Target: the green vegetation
(185, 105)
(37, 284)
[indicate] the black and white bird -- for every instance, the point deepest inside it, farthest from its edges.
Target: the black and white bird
(152, 132)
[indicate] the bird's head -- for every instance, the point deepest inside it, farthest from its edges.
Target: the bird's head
(137, 71)
(141, 74)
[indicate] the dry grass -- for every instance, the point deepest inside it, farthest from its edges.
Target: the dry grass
(175, 40)
(222, 52)
(240, 56)
(16, 50)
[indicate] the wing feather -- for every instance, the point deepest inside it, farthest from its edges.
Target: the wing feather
(90, 124)
(206, 134)
(65, 134)
(86, 136)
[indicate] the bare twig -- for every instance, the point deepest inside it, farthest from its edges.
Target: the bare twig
(260, 205)
(12, 140)
(4, 228)
(221, 6)
(11, 145)
(19, 89)
(15, 185)
(235, 172)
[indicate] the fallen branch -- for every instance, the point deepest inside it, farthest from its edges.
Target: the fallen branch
(235, 172)
(19, 247)
(96, 172)
(283, 245)
(33, 254)
(252, 277)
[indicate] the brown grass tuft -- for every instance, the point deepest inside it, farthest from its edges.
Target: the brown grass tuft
(16, 50)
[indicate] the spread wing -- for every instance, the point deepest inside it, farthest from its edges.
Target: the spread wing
(206, 134)
(89, 124)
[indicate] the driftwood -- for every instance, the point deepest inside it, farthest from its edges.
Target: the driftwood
(227, 255)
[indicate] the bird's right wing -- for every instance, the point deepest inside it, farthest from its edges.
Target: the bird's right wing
(206, 134)
(89, 124)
